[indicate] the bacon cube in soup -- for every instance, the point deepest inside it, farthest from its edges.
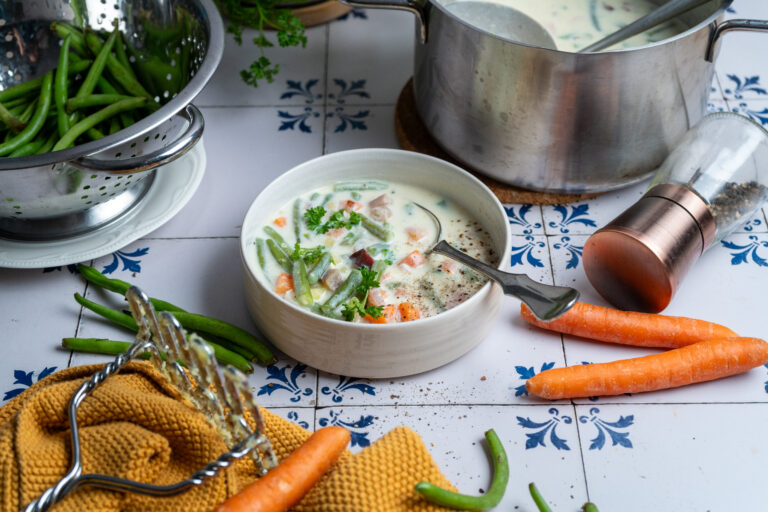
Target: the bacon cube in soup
(382, 200)
(381, 213)
(449, 266)
(331, 279)
(376, 297)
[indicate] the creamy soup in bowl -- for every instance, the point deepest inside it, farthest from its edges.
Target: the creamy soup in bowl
(416, 311)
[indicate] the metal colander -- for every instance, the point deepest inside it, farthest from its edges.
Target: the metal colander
(66, 193)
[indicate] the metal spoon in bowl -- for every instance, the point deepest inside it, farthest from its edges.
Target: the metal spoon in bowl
(547, 302)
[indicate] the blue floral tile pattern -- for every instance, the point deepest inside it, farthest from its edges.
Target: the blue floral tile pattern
(570, 216)
(758, 112)
(612, 428)
(25, 379)
(748, 253)
(348, 384)
(296, 89)
(285, 382)
(72, 268)
(130, 260)
(522, 254)
(518, 217)
(575, 251)
(291, 121)
(354, 121)
(294, 417)
(538, 438)
(354, 89)
(359, 437)
(738, 86)
(527, 372)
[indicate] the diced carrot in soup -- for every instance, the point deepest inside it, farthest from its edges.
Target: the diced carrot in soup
(416, 234)
(280, 221)
(408, 312)
(351, 205)
(414, 259)
(283, 283)
(387, 317)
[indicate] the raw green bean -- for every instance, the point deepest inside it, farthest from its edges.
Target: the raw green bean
(589, 507)
(27, 113)
(93, 100)
(37, 121)
(94, 134)
(60, 87)
(10, 120)
(78, 41)
(21, 102)
(301, 288)
(297, 219)
(48, 144)
(106, 87)
(124, 77)
(274, 235)
(360, 185)
(490, 499)
(538, 499)
(320, 267)
(343, 292)
(237, 349)
(261, 249)
(227, 331)
(122, 57)
(89, 122)
(376, 229)
(111, 347)
(128, 322)
(97, 68)
(116, 285)
(33, 85)
(114, 125)
(30, 148)
(279, 255)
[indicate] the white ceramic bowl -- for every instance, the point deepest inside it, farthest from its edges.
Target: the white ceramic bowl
(374, 350)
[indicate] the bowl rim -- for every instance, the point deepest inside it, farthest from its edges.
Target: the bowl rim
(360, 154)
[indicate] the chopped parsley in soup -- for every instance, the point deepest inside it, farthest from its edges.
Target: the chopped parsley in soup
(356, 251)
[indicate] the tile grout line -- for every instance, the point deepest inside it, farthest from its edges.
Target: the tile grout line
(581, 449)
(325, 80)
(79, 320)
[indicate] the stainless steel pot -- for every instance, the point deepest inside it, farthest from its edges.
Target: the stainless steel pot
(69, 192)
(557, 121)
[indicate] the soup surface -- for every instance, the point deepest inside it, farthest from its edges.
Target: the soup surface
(573, 24)
(356, 251)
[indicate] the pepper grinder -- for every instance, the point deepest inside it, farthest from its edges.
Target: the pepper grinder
(711, 183)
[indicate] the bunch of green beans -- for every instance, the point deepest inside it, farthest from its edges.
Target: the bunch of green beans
(96, 90)
(231, 345)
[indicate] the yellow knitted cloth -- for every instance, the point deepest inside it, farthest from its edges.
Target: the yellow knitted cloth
(135, 426)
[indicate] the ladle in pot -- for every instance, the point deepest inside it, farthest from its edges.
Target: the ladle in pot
(547, 302)
(520, 27)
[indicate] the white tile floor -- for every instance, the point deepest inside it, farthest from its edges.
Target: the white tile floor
(692, 449)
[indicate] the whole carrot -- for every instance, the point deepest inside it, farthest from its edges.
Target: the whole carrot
(630, 327)
(285, 485)
(699, 362)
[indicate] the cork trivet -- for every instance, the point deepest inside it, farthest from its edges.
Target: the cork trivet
(413, 136)
(316, 13)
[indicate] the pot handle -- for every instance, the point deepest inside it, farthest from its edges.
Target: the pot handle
(729, 25)
(155, 159)
(417, 7)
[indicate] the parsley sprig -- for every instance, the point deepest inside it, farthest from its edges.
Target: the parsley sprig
(354, 306)
(313, 218)
(310, 256)
(370, 280)
(262, 15)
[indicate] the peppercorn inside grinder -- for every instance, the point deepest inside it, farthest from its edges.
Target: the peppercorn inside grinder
(711, 183)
